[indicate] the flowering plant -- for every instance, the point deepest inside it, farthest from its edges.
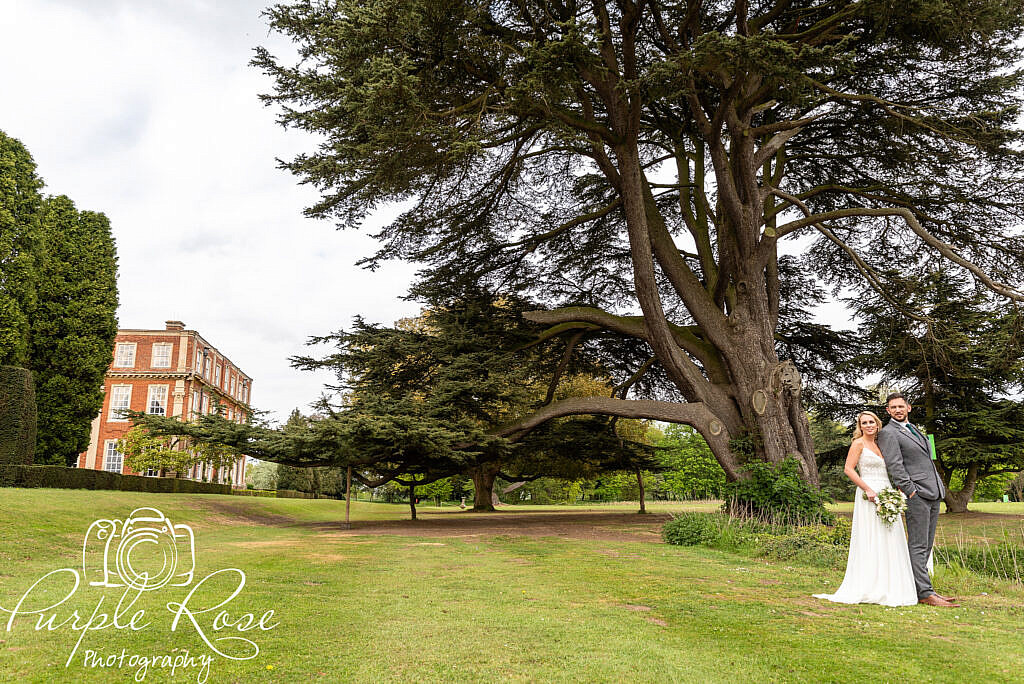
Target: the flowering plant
(889, 503)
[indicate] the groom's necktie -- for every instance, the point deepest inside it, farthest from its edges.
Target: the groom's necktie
(913, 431)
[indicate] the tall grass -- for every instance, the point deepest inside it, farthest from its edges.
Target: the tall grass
(1003, 559)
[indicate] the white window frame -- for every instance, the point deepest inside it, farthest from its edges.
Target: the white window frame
(153, 356)
(121, 359)
(152, 472)
(199, 361)
(111, 457)
(155, 390)
(113, 415)
(195, 403)
(234, 379)
(216, 374)
(205, 399)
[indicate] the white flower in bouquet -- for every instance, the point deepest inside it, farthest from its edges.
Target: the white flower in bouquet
(889, 503)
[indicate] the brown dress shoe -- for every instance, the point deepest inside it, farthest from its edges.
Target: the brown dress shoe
(934, 600)
(951, 599)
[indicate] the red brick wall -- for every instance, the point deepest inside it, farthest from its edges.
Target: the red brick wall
(110, 430)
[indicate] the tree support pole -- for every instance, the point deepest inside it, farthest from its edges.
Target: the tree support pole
(348, 497)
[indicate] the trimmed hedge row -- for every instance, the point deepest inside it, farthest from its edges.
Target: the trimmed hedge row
(17, 416)
(294, 494)
(60, 477)
(254, 492)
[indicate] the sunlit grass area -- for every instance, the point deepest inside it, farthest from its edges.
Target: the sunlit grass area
(573, 593)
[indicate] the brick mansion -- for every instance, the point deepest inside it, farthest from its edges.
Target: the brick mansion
(171, 372)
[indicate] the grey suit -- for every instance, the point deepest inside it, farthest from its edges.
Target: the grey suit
(909, 461)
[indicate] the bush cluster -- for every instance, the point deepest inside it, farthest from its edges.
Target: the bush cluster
(59, 477)
(776, 493)
(813, 544)
(691, 529)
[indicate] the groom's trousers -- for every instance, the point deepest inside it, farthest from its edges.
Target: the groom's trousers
(922, 517)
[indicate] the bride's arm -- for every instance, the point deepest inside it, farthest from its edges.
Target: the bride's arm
(852, 459)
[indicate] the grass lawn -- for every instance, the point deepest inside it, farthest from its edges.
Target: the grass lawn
(577, 594)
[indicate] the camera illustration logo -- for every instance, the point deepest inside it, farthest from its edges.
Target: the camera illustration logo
(144, 551)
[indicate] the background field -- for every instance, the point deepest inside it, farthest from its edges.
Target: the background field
(527, 594)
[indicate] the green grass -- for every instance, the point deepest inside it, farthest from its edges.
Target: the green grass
(387, 602)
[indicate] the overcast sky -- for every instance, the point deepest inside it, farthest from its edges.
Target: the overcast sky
(147, 111)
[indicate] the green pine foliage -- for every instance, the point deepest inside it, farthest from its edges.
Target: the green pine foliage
(19, 244)
(73, 326)
(58, 299)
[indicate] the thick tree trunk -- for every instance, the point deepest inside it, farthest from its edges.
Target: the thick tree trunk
(640, 483)
(1017, 487)
(412, 500)
(774, 425)
(956, 501)
(483, 485)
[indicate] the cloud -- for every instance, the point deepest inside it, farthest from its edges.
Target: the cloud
(149, 112)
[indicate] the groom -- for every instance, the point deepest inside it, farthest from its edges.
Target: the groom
(909, 461)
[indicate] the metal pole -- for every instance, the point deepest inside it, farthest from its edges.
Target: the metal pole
(348, 496)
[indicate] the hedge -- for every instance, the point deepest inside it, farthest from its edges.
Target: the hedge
(294, 494)
(254, 492)
(17, 416)
(59, 477)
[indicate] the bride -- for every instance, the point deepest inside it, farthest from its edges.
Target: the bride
(878, 567)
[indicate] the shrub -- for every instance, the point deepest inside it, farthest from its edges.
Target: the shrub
(17, 416)
(690, 529)
(776, 494)
(811, 544)
(59, 477)
(808, 544)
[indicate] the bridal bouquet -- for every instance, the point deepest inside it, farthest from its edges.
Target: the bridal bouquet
(889, 503)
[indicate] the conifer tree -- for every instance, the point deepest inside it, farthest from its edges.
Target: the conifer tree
(20, 200)
(73, 326)
(635, 167)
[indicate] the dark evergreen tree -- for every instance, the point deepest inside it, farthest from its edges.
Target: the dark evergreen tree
(634, 165)
(20, 201)
(73, 326)
(437, 396)
(960, 365)
(58, 299)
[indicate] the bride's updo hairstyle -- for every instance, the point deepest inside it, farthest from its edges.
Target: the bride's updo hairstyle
(857, 434)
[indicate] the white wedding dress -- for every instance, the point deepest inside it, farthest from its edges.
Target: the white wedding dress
(878, 567)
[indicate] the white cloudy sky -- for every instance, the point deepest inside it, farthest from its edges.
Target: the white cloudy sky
(147, 111)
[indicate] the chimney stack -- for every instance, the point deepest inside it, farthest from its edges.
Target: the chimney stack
(175, 325)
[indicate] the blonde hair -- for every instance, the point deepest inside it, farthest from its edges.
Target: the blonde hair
(857, 434)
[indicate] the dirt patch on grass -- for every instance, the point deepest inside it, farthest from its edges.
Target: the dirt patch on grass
(286, 543)
(589, 525)
(221, 513)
